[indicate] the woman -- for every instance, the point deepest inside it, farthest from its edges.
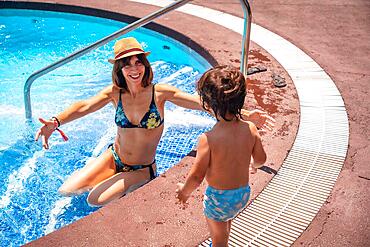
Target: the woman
(130, 161)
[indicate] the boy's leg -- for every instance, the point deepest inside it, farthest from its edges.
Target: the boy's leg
(229, 227)
(219, 232)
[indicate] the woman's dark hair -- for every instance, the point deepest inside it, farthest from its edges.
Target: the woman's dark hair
(117, 75)
(223, 89)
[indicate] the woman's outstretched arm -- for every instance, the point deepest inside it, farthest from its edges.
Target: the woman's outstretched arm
(178, 97)
(261, 119)
(84, 107)
(76, 110)
(167, 92)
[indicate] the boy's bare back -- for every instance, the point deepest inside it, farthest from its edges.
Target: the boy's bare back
(231, 145)
(224, 153)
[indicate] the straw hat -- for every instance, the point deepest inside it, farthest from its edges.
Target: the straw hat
(127, 47)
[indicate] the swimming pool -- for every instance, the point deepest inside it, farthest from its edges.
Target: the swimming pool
(29, 40)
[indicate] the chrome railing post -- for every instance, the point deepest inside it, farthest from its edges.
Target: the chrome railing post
(77, 54)
(246, 36)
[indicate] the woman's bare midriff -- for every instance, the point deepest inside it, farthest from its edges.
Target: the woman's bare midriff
(136, 145)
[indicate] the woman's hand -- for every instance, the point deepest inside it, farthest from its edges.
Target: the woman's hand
(45, 131)
(260, 118)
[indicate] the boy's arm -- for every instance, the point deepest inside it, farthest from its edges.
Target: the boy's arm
(258, 152)
(197, 172)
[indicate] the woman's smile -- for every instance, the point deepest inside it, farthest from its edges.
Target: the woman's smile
(135, 76)
(134, 71)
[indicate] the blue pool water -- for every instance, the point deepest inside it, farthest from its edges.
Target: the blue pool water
(30, 206)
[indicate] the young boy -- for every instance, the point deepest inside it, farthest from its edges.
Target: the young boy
(224, 153)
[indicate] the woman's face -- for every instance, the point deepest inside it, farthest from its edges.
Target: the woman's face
(134, 71)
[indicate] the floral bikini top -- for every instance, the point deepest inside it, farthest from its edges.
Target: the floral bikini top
(151, 119)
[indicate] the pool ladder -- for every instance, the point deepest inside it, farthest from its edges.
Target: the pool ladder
(141, 22)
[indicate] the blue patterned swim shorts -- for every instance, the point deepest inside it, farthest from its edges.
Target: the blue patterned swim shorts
(224, 205)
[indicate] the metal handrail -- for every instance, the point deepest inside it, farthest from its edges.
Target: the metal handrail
(128, 28)
(77, 54)
(246, 35)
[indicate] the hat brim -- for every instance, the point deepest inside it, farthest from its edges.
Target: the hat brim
(112, 60)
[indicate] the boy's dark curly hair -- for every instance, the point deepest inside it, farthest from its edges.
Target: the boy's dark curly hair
(222, 89)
